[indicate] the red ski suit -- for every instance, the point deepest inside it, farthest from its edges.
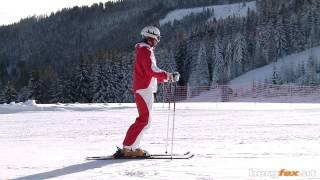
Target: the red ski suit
(146, 75)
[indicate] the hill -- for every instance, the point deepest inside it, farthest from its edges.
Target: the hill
(288, 68)
(219, 11)
(85, 54)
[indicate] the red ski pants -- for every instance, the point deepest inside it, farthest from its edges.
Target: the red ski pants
(134, 132)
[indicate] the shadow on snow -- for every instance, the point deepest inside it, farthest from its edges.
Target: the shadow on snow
(73, 169)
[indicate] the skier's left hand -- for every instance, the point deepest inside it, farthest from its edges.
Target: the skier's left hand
(175, 76)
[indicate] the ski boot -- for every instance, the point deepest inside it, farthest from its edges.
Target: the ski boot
(128, 153)
(118, 154)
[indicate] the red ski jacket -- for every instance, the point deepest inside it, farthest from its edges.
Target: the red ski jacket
(146, 72)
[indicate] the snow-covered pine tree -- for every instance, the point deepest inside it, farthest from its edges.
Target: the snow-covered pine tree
(301, 73)
(56, 93)
(200, 72)
(9, 94)
(34, 86)
(23, 94)
(82, 83)
(261, 46)
(270, 50)
(316, 21)
(2, 99)
(297, 36)
(113, 81)
(280, 35)
(220, 68)
(259, 59)
(311, 75)
(118, 86)
(68, 91)
(240, 54)
(180, 58)
(191, 56)
(127, 94)
(276, 79)
(166, 60)
(99, 85)
(232, 69)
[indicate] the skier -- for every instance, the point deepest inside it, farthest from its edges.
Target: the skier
(146, 76)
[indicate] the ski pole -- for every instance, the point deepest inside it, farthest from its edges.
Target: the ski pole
(164, 95)
(174, 115)
(167, 139)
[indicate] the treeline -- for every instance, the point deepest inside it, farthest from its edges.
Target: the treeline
(105, 78)
(58, 40)
(221, 50)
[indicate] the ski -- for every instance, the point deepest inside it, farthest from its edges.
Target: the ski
(153, 155)
(172, 155)
(160, 156)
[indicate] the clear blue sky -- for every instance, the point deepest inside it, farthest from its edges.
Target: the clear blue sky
(13, 10)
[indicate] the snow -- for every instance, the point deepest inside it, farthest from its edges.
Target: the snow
(265, 72)
(220, 11)
(229, 140)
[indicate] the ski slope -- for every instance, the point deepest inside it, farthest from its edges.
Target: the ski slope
(229, 140)
(220, 11)
(266, 72)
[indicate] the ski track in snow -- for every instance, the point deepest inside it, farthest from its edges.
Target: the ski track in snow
(229, 140)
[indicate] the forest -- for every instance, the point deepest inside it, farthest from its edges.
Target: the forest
(86, 54)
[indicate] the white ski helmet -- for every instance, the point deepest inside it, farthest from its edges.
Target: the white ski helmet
(152, 32)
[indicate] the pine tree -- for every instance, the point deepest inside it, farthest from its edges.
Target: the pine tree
(266, 42)
(56, 93)
(99, 85)
(301, 71)
(220, 68)
(34, 87)
(276, 79)
(68, 91)
(2, 99)
(233, 69)
(180, 58)
(113, 82)
(23, 94)
(191, 57)
(127, 81)
(81, 84)
(240, 54)
(281, 38)
(9, 94)
(311, 74)
(127, 95)
(297, 36)
(200, 73)
(117, 82)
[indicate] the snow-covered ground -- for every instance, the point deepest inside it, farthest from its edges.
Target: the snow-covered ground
(220, 11)
(266, 72)
(229, 140)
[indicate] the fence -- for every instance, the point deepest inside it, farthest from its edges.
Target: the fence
(253, 93)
